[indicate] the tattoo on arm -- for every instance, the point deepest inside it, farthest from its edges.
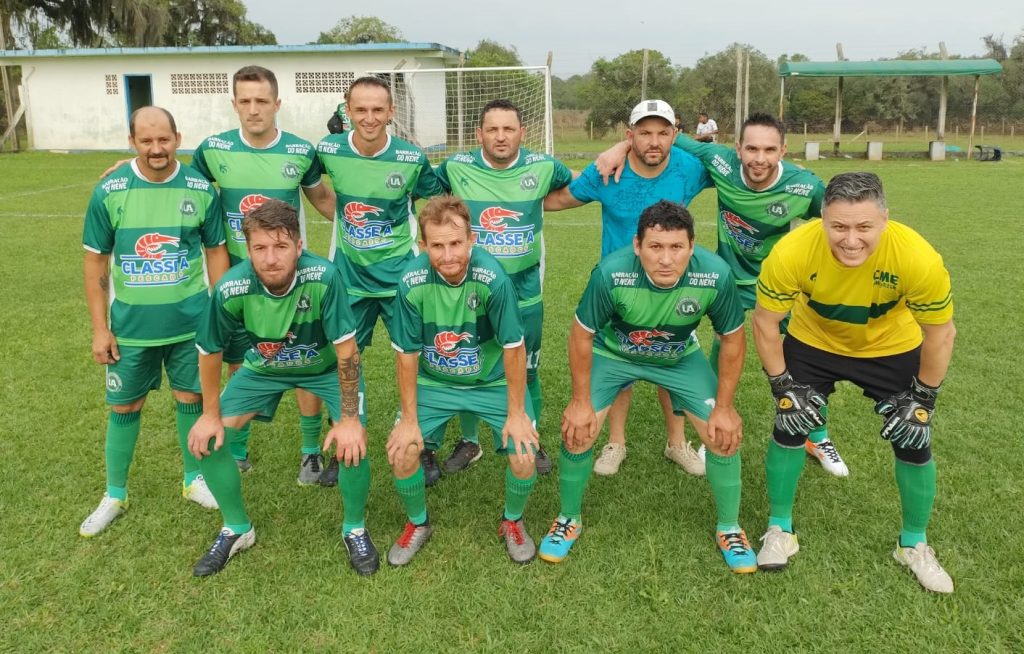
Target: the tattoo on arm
(348, 377)
(105, 282)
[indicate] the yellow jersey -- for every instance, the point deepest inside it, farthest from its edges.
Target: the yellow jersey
(870, 310)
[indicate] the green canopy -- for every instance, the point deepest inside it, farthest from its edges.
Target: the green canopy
(891, 68)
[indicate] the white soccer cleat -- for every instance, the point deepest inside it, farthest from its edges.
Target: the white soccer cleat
(612, 456)
(827, 454)
(922, 562)
(776, 548)
(686, 458)
(199, 493)
(108, 511)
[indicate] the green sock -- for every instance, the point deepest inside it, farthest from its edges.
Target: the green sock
(716, 346)
(413, 492)
(917, 493)
(573, 474)
(783, 466)
(517, 491)
(354, 486)
(536, 397)
(724, 477)
(468, 422)
(819, 434)
(185, 415)
(240, 443)
(122, 434)
(225, 482)
(311, 427)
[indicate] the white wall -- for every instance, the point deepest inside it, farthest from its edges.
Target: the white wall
(69, 109)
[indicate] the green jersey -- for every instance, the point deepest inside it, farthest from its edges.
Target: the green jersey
(461, 330)
(291, 334)
(375, 225)
(750, 222)
(507, 210)
(154, 233)
(634, 320)
(247, 176)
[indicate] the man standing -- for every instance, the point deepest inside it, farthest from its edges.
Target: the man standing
(145, 231)
(707, 128)
(504, 186)
(654, 171)
(643, 304)
(250, 164)
(294, 310)
(860, 290)
(460, 349)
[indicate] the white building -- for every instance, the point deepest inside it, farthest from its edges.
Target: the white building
(80, 99)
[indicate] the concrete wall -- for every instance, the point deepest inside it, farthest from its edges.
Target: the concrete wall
(69, 107)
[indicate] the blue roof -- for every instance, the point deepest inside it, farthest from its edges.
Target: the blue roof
(225, 49)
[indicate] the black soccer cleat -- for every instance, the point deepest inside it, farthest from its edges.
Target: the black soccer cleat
(543, 461)
(226, 546)
(329, 475)
(362, 553)
(431, 471)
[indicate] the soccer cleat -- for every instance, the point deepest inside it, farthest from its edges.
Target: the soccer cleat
(612, 456)
(828, 455)
(465, 454)
(243, 464)
(362, 554)
(329, 476)
(108, 511)
(310, 469)
(412, 540)
(199, 493)
(777, 546)
(543, 461)
(227, 545)
(518, 544)
(431, 471)
(736, 551)
(686, 458)
(555, 546)
(922, 562)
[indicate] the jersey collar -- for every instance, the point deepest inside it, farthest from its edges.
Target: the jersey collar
(138, 173)
(483, 158)
(352, 146)
(664, 288)
(277, 139)
(778, 176)
(291, 286)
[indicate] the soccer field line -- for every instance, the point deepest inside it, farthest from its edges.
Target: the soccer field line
(44, 190)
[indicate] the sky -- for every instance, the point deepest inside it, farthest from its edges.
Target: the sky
(682, 31)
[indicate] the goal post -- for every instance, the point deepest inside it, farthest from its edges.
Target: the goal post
(439, 109)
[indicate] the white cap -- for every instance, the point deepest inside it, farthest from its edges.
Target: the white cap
(658, 108)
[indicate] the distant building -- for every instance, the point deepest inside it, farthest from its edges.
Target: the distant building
(80, 99)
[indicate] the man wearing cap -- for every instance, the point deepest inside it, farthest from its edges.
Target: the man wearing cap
(655, 170)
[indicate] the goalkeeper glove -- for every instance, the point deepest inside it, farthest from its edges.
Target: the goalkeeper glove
(797, 406)
(908, 416)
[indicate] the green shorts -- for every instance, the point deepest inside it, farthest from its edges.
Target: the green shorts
(252, 392)
(366, 309)
(238, 345)
(138, 370)
(436, 405)
(691, 383)
(533, 323)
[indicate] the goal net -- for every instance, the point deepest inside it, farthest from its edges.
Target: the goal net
(439, 109)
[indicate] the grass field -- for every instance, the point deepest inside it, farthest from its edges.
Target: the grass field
(645, 576)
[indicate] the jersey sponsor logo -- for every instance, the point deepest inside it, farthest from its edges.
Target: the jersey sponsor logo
(799, 189)
(394, 181)
(529, 182)
(149, 267)
(407, 156)
(500, 238)
(281, 354)
(115, 184)
(644, 336)
(289, 170)
(886, 279)
(741, 232)
(362, 233)
(446, 356)
(245, 205)
(702, 279)
(642, 342)
(721, 165)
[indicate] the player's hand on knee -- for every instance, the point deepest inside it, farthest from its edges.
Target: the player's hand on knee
(797, 406)
(348, 437)
(725, 429)
(579, 424)
(104, 347)
(520, 430)
(204, 430)
(404, 438)
(908, 416)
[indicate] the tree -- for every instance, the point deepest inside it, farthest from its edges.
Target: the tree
(213, 22)
(489, 53)
(613, 87)
(361, 29)
(93, 23)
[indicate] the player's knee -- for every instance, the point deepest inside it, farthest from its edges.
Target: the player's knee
(521, 469)
(129, 408)
(787, 440)
(187, 397)
(913, 457)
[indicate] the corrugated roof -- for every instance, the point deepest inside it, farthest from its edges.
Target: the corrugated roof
(891, 68)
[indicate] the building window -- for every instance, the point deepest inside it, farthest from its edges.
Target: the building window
(111, 83)
(324, 82)
(199, 83)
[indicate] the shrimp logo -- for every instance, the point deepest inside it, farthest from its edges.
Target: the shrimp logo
(250, 202)
(284, 354)
(362, 232)
(741, 232)
(245, 205)
(153, 263)
(447, 357)
(643, 336)
(650, 343)
(501, 238)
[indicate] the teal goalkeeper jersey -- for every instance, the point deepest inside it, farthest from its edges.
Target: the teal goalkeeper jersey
(291, 334)
(154, 234)
(634, 320)
(460, 331)
(750, 222)
(248, 176)
(507, 210)
(375, 224)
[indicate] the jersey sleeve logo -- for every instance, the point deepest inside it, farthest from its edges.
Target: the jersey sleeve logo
(149, 267)
(362, 233)
(499, 237)
(447, 357)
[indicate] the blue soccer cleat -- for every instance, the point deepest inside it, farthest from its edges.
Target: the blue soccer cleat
(555, 546)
